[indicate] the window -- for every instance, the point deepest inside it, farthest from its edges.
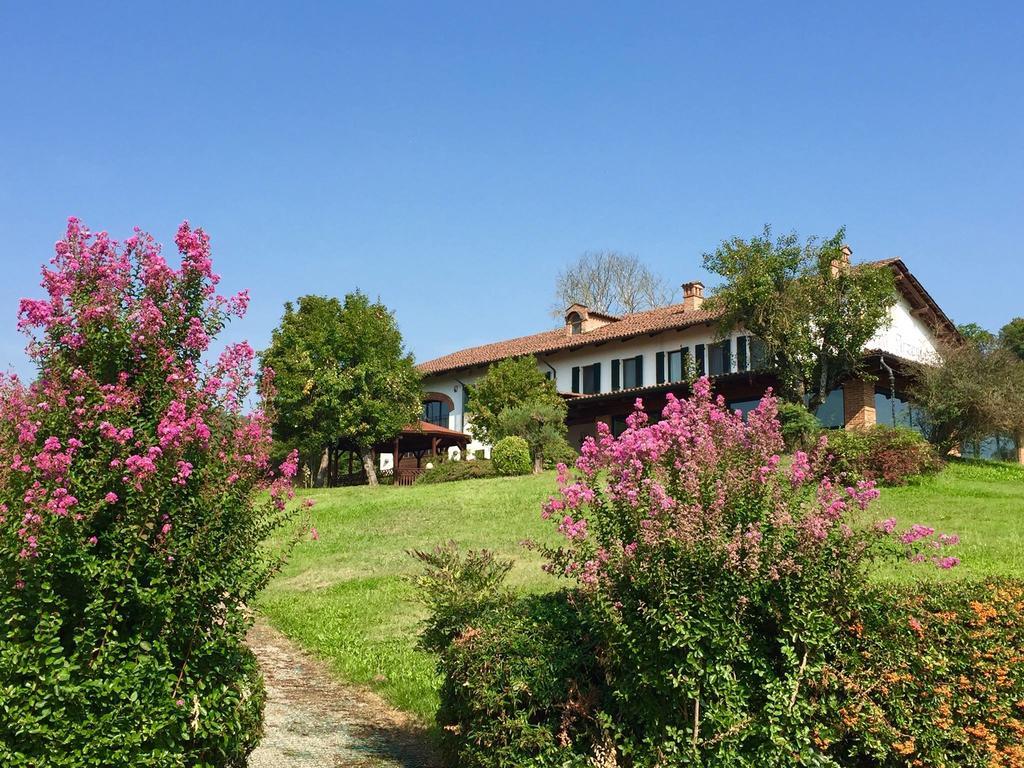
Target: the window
(436, 412)
(895, 411)
(831, 412)
(575, 323)
(679, 364)
(586, 379)
(720, 358)
(758, 354)
(744, 406)
(741, 354)
(633, 372)
(618, 425)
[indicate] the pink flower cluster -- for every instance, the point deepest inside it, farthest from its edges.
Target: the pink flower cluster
(124, 395)
(704, 478)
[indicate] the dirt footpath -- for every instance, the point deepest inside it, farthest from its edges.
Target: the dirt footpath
(312, 721)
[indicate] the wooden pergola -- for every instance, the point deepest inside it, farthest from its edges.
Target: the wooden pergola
(416, 441)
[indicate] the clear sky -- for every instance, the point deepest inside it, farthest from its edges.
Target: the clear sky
(449, 158)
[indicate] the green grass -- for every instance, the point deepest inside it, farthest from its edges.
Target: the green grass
(347, 598)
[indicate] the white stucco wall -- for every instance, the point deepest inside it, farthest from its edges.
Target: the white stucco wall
(906, 335)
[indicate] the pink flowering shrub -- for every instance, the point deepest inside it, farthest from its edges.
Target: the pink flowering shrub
(717, 579)
(135, 496)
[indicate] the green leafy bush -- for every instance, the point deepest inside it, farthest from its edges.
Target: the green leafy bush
(135, 500)
(931, 675)
(800, 427)
(887, 455)
(456, 589)
(562, 453)
(522, 686)
(511, 456)
(448, 471)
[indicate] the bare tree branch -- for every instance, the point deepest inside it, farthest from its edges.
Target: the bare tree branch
(610, 282)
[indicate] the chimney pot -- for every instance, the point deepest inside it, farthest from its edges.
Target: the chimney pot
(693, 296)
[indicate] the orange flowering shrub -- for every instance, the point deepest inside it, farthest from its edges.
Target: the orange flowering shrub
(932, 678)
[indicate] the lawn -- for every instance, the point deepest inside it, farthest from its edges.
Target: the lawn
(346, 596)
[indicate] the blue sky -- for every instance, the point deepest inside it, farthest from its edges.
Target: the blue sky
(449, 158)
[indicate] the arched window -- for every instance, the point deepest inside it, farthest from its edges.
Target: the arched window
(575, 323)
(436, 412)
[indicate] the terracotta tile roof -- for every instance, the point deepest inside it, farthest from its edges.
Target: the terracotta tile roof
(425, 427)
(636, 324)
(652, 321)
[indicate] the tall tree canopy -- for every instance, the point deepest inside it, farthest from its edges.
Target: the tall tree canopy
(811, 309)
(343, 376)
(610, 282)
(510, 384)
(1012, 336)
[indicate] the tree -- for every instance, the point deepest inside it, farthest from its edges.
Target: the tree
(975, 333)
(307, 341)
(346, 380)
(1011, 336)
(610, 282)
(975, 392)
(541, 424)
(509, 383)
(813, 311)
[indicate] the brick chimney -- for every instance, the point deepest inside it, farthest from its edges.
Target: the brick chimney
(693, 296)
(842, 263)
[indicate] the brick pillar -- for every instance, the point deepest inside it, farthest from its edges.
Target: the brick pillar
(859, 404)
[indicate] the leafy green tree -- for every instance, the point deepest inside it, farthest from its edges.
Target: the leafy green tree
(811, 309)
(1012, 336)
(541, 424)
(306, 343)
(975, 333)
(344, 378)
(507, 384)
(976, 392)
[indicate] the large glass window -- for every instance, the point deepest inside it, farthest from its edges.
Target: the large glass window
(830, 413)
(744, 406)
(895, 411)
(436, 412)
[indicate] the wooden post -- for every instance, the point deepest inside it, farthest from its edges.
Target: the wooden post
(394, 463)
(433, 446)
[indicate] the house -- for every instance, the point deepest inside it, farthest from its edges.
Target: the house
(601, 363)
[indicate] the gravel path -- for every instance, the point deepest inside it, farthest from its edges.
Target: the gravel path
(312, 721)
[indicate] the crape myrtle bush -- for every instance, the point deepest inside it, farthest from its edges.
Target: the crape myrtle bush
(887, 455)
(449, 471)
(931, 677)
(714, 587)
(133, 506)
(511, 456)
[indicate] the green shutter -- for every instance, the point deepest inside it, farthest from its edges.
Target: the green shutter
(741, 353)
(685, 363)
(659, 368)
(576, 378)
(597, 377)
(639, 370)
(615, 375)
(698, 353)
(727, 356)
